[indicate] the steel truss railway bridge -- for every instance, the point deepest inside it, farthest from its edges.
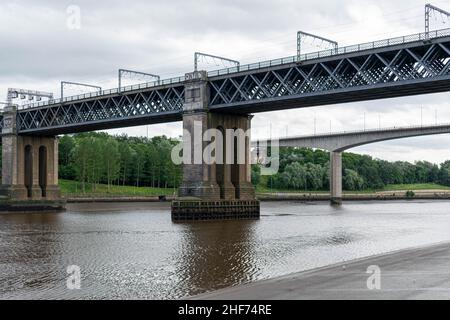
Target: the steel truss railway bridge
(403, 66)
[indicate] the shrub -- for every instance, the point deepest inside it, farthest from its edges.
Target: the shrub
(410, 194)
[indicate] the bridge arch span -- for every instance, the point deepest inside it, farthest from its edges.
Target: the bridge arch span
(339, 142)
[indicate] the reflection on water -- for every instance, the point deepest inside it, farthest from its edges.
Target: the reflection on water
(133, 250)
(337, 239)
(222, 253)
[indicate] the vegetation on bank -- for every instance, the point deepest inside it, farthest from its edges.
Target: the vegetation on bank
(415, 187)
(72, 189)
(308, 170)
(263, 189)
(99, 163)
(96, 159)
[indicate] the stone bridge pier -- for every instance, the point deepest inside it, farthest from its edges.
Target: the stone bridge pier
(216, 161)
(29, 169)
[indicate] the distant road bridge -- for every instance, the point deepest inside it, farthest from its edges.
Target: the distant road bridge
(336, 143)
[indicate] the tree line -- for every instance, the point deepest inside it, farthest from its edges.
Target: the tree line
(94, 158)
(309, 170)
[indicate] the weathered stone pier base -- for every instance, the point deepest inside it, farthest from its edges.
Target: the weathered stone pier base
(29, 170)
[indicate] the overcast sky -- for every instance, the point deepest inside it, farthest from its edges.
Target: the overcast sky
(40, 47)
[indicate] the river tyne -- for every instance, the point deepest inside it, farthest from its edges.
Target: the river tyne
(135, 251)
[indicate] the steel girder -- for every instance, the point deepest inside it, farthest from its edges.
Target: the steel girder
(119, 110)
(341, 78)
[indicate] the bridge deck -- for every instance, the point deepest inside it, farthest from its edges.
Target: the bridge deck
(342, 141)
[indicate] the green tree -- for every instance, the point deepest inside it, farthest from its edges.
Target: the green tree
(110, 159)
(315, 176)
(125, 158)
(66, 149)
(83, 155)
(444, 173)
(352, 181)
(139, 161)
(294, 176)
(426, 172)
(256, 174)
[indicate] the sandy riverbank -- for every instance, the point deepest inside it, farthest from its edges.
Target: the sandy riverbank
(417, 274)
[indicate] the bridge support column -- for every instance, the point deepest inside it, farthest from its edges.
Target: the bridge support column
(213, 187)
(29, 169)
(234, 174)
(199, 177)
(336, 177)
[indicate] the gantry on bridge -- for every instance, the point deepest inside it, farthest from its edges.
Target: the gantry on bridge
(222, 99)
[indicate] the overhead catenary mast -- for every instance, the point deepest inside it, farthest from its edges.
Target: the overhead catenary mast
(301, 35)
(126, 71)
(65, 83)
(197, 55)
(429, 8)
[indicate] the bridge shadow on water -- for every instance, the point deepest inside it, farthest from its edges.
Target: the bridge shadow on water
(216, 255)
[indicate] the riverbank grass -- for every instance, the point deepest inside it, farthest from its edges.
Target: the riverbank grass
(415, 187)
(263, 188)
(73, 189)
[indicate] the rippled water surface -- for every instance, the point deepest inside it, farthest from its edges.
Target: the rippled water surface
(134, 251)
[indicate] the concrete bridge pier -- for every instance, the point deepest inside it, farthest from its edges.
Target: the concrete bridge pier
(216, 161)
(336, 177)
(29, 169)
